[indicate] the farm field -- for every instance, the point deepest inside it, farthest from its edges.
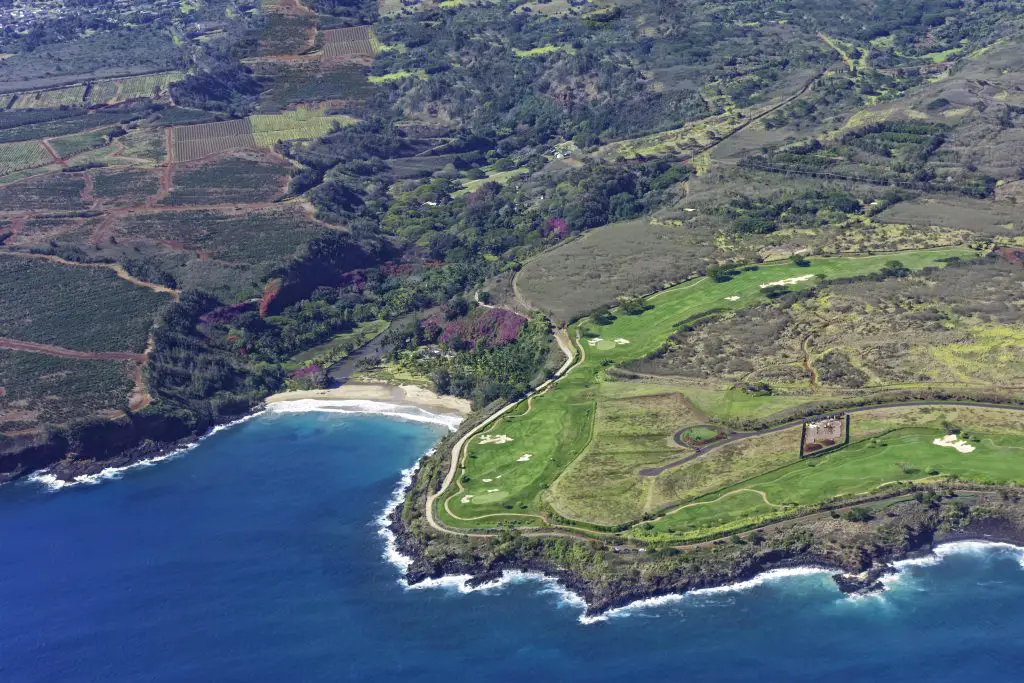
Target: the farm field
(560, 423)
(124, 187)
(50, 99)
(248, 177)
(18, 156)
(46, 390)
(70, 145)
(354, 41)
(286, 35)
(295, 124)
(57, 192)
(311, 82)
(85, 309)
(262, 237)
(189, 143)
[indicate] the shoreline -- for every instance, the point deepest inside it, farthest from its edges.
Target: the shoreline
(401, 395)
(407, 402)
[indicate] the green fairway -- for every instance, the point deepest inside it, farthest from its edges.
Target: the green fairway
(516, 466)
(902, 455)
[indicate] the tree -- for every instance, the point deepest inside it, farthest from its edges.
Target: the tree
(857, 514)
(895, 268)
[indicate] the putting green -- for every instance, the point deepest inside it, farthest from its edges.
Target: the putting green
(604, 345)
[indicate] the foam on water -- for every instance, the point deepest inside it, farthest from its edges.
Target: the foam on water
(360, 407)
(51, 482)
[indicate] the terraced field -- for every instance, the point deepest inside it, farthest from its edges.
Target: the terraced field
(17, 156)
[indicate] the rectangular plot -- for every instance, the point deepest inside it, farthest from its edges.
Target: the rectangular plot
(341, 42)
(103, 92)
(190, 150)
(15, 156)
(148, 86)
(50, 99)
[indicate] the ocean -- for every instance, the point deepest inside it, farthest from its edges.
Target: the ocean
(258, 556)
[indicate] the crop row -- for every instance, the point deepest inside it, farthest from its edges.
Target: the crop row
(50, 99)
(15, 156)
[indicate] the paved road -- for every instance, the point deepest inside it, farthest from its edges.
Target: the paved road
(740, 436)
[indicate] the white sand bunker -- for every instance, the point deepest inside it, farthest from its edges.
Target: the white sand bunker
(466, 499)
(953, 441)
(494, 438)
(734, 297)
(493, 490)
(594, 341)
(788, 281)
(524, 457)
(487, 481)
(620, 341)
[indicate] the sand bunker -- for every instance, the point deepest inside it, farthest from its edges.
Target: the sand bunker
(466, 499)
(594, 341)
(620, 341)
(493, 490)
(494, 438)
(524, 457)
(487, 481)
(788, 281)
(734, 297)
(953, 441)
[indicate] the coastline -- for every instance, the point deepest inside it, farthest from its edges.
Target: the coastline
(401, 395)
(407, 402)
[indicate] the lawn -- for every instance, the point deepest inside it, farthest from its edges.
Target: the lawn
(498, 477)
(901, 455)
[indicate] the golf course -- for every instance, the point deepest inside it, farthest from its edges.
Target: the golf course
(570, 454)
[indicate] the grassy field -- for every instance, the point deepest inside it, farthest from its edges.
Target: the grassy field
(70, 145)
(86, 309)
(903, 454)
(499, 477)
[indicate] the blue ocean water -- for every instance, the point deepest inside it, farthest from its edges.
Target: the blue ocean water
(256, 557)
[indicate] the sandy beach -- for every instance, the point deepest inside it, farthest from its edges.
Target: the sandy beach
(406, 394)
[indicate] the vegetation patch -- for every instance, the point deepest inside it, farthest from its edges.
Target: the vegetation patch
(86, 309)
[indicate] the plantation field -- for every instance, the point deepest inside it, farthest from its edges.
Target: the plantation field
(257, 237)
(51, 99)
(312, 82)
(285, 35)
(295, 124)
(17, 126)
(124, 187)
(86, 309)
(17, 156)
(153, 85)
(354, 41)
(41, 389)
(560, 424)
(103, 92)
(237, 178)
(70, 145)
(189, 143)
(144, 145)
(57, 191)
